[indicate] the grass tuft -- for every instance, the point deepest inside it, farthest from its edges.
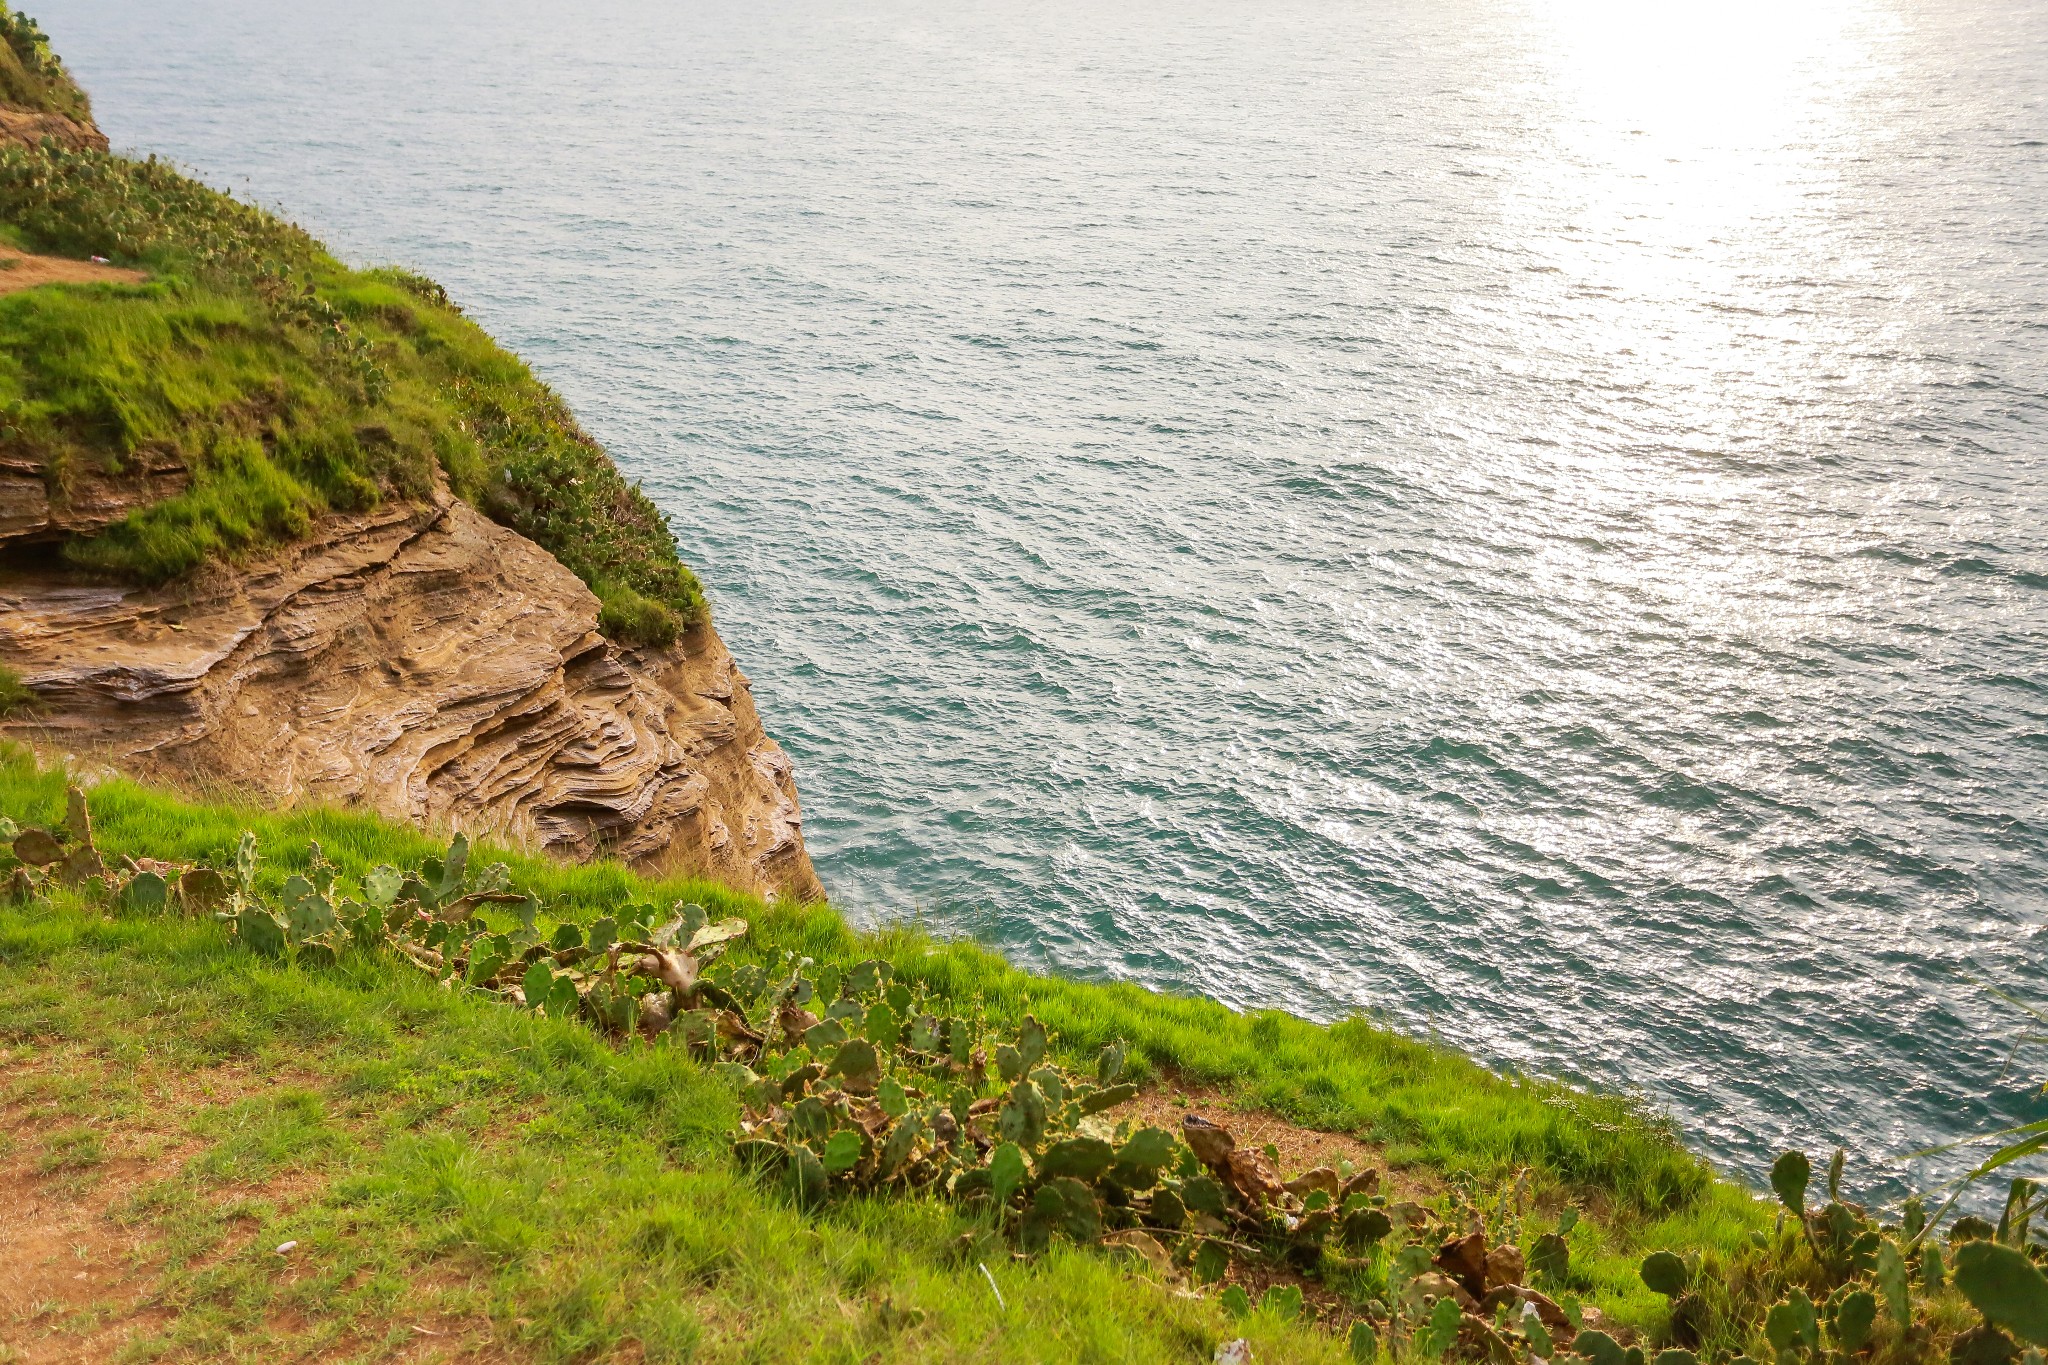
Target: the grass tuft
(14, 694)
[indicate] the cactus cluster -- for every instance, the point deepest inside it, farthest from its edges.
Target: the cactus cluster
(1475, 1297)
(295, 301)
(853, 1082)
(620, 974)
(66, 856)
(849, 1079)
(31, 45)
(1848, 1285)
(616, 975)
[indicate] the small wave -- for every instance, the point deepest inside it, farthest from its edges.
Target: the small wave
(1637, 525)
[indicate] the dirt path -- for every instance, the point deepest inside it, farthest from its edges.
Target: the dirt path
(20, 270)
(82, 1269)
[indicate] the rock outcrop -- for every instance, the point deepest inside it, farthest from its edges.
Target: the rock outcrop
(31, 128)
(422, 662)
(92, 499)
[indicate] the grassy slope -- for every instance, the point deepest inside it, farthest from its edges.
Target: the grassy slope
(444, 1160)
(290, 386)
(1431, 1107)
(31, 77)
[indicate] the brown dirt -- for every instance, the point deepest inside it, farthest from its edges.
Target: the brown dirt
(71, 1288)
(1301, 1149)
(77, 1281)
(20, 270)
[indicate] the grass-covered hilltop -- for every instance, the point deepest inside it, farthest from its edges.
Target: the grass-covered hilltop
(299, 1084)
(285, 384)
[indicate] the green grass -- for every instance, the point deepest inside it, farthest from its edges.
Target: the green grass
(31, 77)
(289, 386)
(1433, 1110)
(440, 1159)
(1428, 1103)
(13, 695)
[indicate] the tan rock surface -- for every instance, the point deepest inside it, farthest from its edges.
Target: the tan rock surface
(87, 498)
(29, 128)
(428, 664)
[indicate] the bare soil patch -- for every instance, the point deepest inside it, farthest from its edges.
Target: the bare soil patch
(22, 270)
(1300, 1149)
(79, 1277)
(71, 1283)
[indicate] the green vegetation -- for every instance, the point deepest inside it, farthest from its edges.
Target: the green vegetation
(31, 77)
(510, 1102)
(13, 695)
(288, 386)
(887, 1091)
(441, 1164)
(1429, 1104)
(573, 1114)
(559, 1247)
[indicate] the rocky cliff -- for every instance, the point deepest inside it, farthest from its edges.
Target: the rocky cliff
(546, 673)
(31, 127)
(418, 660)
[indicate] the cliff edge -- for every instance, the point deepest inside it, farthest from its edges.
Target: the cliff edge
(422, 662)
(274, 524)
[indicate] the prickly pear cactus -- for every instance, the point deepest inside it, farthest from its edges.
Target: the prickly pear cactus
(853, 1082)
(145, 893)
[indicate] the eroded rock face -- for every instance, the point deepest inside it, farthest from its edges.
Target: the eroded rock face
(428, 664)
(88, 498)
(30, 128)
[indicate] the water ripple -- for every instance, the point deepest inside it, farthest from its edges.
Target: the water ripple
(1524, 519)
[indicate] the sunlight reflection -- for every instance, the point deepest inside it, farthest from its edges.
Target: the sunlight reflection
(1704, 150)
(1679, 124)
(1748, 74)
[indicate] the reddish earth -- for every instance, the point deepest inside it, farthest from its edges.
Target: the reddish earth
(79, 1276)
(1300, 1149)
(19, 270)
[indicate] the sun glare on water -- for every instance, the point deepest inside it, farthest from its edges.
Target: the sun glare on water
(1686, 130)
(1703, 150)
(1745, 74)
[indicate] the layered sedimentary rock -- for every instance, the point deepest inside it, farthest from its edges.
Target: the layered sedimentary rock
(30, 129)
(426, 663)
(93, 498)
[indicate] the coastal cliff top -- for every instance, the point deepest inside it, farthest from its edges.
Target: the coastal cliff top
(238, 383)
(31, 76)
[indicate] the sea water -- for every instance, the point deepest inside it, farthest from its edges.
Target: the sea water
(1528, 518)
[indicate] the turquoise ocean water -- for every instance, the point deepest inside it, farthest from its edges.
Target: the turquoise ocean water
(1528, 518)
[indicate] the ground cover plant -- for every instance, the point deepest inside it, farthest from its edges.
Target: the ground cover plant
(284, 383)
(1427, 1104)
(848, 1079)
(1432, 1109)
(31, 77)
(859, 1087)
(876, 1095)
(436, 1164)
